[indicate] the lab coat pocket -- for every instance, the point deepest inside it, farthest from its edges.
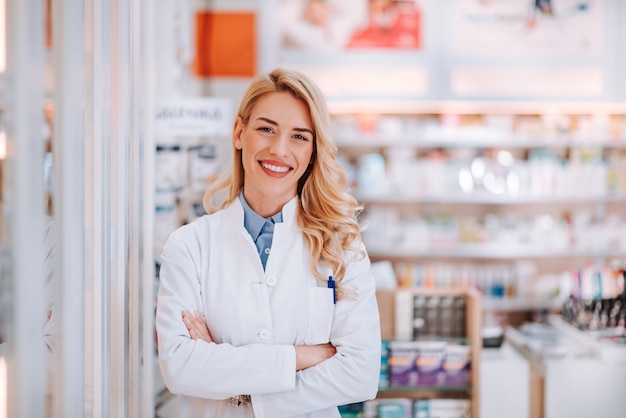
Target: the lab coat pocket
(321, 309)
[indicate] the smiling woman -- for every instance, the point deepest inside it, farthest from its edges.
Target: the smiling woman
(275, 281)
(276, 149)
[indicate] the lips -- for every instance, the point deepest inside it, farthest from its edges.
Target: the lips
(279, 169)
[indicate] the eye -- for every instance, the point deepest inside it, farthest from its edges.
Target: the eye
(265, 129)
(301, 137)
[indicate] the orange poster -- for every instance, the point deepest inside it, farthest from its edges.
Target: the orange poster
(225, 44)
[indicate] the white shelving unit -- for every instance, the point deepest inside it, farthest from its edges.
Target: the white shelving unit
(411, 132)
(492, 252)
(490, 199)
(467, 141)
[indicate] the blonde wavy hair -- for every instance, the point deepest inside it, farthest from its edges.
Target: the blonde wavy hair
(327, 213)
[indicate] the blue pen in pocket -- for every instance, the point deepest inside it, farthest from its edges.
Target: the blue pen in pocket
(331, 285)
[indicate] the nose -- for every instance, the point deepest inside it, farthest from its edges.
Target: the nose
(280, 145)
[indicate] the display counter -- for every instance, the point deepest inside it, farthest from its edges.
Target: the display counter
(504, 388)
(572, 373)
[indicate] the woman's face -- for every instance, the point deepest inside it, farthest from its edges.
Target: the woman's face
(276, 148)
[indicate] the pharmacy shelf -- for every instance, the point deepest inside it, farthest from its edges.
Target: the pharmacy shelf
(471, 107)
(518, 305)
(418, 392)
(397, 314)
(487, 198)
(500, 142)
(407, 133)
(492, 251)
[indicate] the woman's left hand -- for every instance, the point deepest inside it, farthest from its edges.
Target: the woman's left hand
(197, 327)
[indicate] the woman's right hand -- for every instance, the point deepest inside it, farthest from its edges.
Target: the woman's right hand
(311, 355)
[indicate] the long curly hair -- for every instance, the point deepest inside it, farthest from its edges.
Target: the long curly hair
(327, 213)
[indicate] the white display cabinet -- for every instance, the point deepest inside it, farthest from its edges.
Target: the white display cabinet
(504, 383)
(571, 373)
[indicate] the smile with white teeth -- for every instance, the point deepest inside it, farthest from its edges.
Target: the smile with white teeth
(275, 168)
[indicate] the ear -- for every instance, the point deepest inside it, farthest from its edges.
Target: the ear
(237, 132)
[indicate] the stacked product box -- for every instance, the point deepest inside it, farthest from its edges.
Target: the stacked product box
(438, 316)
(383, 381)
(420, 408)
(441, 408)
(429, 316)
(429, 364)
(389, 408)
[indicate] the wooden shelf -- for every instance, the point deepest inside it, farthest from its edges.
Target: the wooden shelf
(393, 306)
(426, 393)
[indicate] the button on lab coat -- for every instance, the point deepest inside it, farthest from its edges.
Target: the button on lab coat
(256, 317)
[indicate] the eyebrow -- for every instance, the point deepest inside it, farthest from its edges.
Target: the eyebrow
(271, 122)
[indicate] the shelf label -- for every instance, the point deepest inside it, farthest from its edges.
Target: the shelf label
(194, 116)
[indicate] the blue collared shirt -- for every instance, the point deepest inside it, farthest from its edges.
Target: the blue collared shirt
(260, 229)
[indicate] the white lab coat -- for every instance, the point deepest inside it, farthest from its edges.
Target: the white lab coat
(256, 317)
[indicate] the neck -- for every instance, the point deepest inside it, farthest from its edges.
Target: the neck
(265, 207)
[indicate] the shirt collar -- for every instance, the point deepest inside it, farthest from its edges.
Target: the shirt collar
(252, 221)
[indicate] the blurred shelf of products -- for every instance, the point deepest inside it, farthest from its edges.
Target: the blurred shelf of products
(522, 204)
(508, 198)
(431, 352)
(484, 158)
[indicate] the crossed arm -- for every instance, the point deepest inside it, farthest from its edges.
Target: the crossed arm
(306, 355)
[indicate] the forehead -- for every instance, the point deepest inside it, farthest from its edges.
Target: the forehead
(283, 108)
